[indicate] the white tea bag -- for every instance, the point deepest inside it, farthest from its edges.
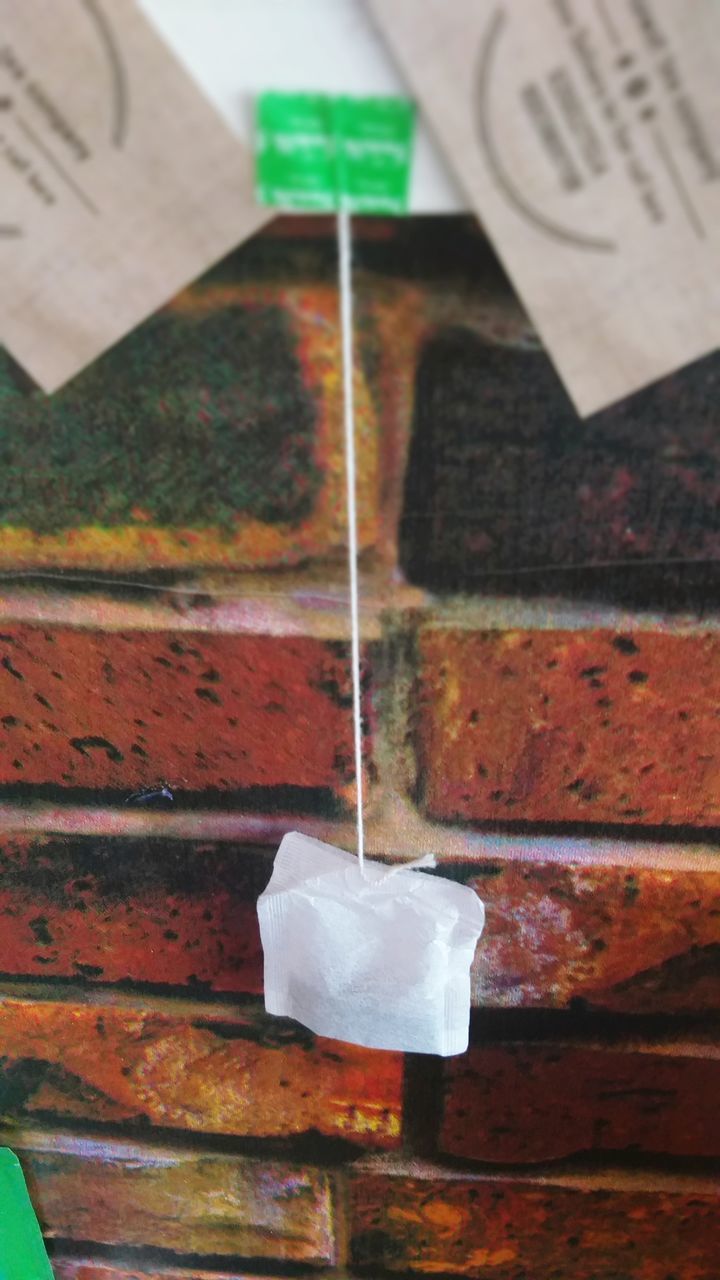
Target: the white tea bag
(381, 959)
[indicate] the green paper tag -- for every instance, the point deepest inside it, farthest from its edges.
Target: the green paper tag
(316, 152)
(22, 1251)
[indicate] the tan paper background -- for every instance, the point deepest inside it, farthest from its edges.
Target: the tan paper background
(119, 183)
(587, 135)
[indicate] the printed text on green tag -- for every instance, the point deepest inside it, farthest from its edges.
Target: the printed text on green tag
(317, 152)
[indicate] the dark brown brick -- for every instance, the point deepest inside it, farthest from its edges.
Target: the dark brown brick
(507, 490)
(529, 1102)
(210, 436)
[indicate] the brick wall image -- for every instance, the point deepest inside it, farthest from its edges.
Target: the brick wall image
(541, 685)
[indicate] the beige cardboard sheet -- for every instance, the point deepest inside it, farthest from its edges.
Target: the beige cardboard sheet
(587, 136)
(119, 183)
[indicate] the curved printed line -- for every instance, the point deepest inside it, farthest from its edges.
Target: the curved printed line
(514, 197)
(117, 71)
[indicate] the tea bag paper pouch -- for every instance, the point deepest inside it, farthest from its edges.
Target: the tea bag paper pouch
(381, 959)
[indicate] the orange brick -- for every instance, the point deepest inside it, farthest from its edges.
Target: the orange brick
(570, 726)
(644, 940)
(527, 1102)
(104, 1064)
(98, 712)
(592, 1228)
(190, 1202)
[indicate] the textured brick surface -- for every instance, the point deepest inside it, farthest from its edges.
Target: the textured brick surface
(503, 477)
(534, 1102)
(170, 1129)
(210, 436)
(170, 912)
(639, 941)
(103, 712)
(108, 1065)
(571, 726)
(188, 1202)
(509, 1229)
(182, 913)
(74, 1269)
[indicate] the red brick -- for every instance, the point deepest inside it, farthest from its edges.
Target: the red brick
(570, 726)
(190, 1202)
(96, 711)
(592, 1228)
(183, 913)
(525, 1102)
(639, 941)
(105, 1064)
(171, 912)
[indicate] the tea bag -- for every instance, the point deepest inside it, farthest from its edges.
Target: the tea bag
(372, 955)
(356, 951)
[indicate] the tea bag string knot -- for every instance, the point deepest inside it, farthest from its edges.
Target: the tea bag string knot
(417, 864)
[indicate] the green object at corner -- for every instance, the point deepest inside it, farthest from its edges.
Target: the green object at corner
(22, 1251)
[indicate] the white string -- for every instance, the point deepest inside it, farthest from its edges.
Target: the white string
(344, 240)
